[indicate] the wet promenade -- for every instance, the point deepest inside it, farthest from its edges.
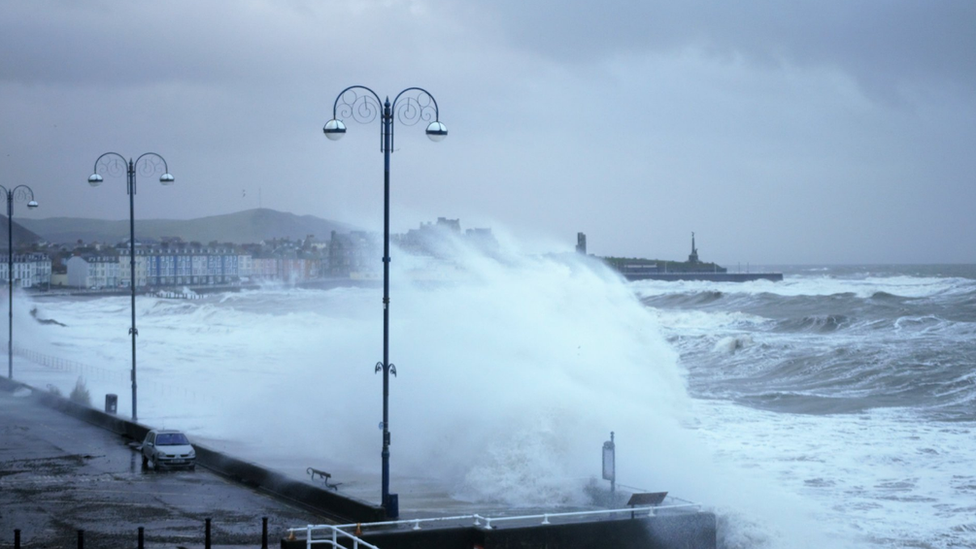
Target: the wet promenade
(59, 474)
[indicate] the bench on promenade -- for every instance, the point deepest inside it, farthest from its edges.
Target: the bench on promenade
(313, 472)
(645, 499)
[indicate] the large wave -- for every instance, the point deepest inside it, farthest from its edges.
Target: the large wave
(511, 372)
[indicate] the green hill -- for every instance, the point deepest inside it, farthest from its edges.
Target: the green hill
(242, 227)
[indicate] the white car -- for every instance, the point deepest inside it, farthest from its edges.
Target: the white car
(168, 449)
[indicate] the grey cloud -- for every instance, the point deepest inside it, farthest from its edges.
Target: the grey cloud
(883, 45)
(634, 122)
(137, 43)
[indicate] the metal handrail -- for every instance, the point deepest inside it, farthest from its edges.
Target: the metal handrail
(334, 540)
(478, 521)
(651, 511)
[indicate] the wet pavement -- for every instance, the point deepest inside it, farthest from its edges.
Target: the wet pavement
(59, 474)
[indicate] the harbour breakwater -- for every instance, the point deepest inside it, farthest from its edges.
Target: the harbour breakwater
(712, 277)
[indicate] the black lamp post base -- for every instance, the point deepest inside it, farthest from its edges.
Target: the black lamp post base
(392, 506)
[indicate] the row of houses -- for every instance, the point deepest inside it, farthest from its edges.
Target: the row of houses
(30, 270)
(186, 267)
(157, 267)
(174, 263)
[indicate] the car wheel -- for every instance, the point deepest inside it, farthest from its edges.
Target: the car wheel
(145, 462)
(193, 467)
(155, 465)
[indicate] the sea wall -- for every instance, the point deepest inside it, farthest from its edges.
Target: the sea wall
(672, 531)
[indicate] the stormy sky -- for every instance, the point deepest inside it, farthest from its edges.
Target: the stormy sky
(779, 132)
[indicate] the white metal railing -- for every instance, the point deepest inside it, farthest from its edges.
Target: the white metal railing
(475, 520)
(333, 539)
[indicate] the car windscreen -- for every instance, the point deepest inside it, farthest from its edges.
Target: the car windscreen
(171, 439)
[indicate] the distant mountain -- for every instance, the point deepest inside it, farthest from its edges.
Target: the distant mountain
(242, 227)
(22, 236)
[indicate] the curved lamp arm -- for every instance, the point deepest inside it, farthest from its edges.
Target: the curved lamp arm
(95, 179)
(360, 108)
(20, 193)
(408, 109)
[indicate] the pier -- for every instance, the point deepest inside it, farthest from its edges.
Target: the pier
(714, 277)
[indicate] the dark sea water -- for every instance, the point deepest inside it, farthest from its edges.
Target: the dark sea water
(838, 339)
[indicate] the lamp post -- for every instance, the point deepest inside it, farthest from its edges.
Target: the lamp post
(22, 193)
(410, 106)
(114, 163)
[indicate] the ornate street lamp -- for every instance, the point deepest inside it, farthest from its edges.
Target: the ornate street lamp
(410, 106)
(114, 164)
(20, 193)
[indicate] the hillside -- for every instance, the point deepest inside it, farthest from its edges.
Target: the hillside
(22, 235)
(241, 227)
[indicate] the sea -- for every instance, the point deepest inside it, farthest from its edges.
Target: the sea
(836, 408)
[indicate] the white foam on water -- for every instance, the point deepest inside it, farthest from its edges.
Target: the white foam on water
(877, 479)
(815, 285)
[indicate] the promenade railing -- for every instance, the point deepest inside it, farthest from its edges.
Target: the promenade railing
(331, 534)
